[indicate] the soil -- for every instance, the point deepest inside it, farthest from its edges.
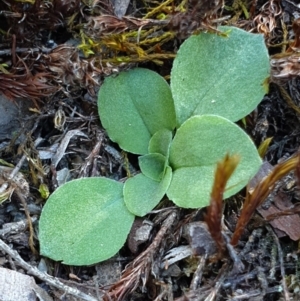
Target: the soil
(54, 56)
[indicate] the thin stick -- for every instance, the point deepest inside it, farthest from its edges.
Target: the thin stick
(282, 271)
(31, 231)
(16, 227)
(197, 278)
(17, 168)
(47, 278)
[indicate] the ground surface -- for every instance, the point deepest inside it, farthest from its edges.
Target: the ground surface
(54, 56)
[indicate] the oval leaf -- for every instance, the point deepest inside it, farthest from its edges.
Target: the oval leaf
(85, 221)
(198, 145)
(142, 194)
(153, 166)
(225, 76)
(191, 186)
(135, 105)
(160, 142)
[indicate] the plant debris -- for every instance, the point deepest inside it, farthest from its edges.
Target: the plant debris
(54, 55)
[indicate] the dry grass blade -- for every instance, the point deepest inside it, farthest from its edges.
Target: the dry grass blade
(225, 169)
(286, 65)
(99, 26)
(27, 20)
(70, 70)
(266, 20)
(295, 45)
(260, 193)
(20, 86)
(262, 149)
(199, 14)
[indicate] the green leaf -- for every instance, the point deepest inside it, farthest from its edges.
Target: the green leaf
(198, 145)
(160, 142)
(225, 76)
(85, 221)
(153, 166)
(142, 194)
(135, 105)
(191, 186)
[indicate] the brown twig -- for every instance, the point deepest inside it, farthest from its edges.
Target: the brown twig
(91, 160)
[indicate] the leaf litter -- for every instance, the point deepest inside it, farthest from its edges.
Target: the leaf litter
(56, 53)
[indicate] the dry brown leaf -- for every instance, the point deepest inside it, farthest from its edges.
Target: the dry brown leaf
(256, 197)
